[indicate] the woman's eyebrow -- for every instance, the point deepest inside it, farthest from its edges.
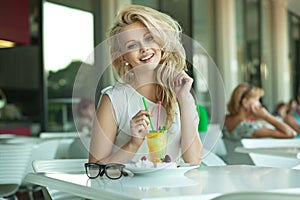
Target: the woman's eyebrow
(129, 41)
(148, 32)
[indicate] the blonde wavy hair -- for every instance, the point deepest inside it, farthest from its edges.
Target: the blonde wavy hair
(167, 34)
(242, 91)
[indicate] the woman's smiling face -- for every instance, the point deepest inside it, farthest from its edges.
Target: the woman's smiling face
(139, 47)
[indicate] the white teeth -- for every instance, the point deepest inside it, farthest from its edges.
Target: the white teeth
(147, 57)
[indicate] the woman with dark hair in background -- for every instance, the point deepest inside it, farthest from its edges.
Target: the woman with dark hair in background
(293, 117)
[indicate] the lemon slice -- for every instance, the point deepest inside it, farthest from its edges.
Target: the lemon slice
(154, 135)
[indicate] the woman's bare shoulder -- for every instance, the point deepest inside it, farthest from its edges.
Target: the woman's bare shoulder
(232, 121)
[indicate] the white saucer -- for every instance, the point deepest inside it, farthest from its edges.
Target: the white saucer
(179, 171)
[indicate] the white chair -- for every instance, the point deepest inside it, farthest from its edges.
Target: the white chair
(66, 139)
(14, 159)
(268, 160)
(212, 140)
(42, 149)
(51, 135)
(79, 148)
(59, 165)
(235, 158)
(211, 159)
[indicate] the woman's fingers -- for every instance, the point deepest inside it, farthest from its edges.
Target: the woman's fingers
(141, 118)
(182, 84)
(139, 124)
(142, 122)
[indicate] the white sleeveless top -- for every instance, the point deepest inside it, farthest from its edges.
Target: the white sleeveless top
(127, 102)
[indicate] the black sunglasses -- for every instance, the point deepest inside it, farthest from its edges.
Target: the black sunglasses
(112, 170)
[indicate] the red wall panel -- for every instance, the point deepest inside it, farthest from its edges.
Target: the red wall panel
(14, 21)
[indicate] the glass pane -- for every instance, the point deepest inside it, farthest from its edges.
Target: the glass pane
(248, 40)
(68, 41)
(203, 33)
(294, 48)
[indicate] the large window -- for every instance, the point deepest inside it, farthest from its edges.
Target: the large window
(249, 40)
(294, 51)
(204, 42)
(68, 40)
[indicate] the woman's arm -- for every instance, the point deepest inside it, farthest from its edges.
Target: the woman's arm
(190, 141)
(282, 130)
(290, 120)
(104, 135)
(267, 132)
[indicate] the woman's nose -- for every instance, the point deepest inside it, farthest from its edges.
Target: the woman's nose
(143, 47)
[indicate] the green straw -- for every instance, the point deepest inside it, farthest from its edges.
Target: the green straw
(146, 108)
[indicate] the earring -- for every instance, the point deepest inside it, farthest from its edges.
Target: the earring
(126, 64)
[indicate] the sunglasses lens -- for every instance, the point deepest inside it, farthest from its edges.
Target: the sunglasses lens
(113, 171)
(92, 171)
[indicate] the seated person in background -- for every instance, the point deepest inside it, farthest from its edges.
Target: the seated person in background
(280, 110)
(247, 118)
(298, 98)
(292, 105)
(293, 117)
(85, 112)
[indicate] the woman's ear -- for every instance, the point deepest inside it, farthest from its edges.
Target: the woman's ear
(245, 103)
(123, 59)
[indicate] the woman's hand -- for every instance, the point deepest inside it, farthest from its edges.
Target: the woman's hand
(138, 127)
(259, 112)
(182, 84)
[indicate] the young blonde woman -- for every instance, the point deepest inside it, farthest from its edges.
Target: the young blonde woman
(149, 59)
(247, 118)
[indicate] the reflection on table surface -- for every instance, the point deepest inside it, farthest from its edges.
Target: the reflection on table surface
(289, 152)
(16, 139)
(201, 182)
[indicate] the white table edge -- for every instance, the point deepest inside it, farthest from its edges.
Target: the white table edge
(266, 151)
(38, 179)
(89, 193)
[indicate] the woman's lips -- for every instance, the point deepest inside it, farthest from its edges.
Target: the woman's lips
(147, 58)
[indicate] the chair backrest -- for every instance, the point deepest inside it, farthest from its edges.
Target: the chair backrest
(66, 139)
(44, 149)
(79, 148)
(212, 139)
(14, 159)
(271, 161)
(233, 157)
(59, 165)
(211, 159)
(59, 135)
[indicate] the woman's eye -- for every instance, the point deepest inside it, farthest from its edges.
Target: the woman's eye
(149, 38)
(132, 46)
